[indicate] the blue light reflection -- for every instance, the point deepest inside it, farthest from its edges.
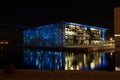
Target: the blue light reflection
(52, 60)
(43, 59)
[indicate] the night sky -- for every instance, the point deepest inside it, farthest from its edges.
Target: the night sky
(14, 17)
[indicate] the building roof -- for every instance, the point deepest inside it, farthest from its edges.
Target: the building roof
(76, 24)
(88, 26)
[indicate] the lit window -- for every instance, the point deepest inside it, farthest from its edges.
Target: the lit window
(92, 28)
(117, 35)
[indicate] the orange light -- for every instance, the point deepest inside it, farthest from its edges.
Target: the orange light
(3, 42)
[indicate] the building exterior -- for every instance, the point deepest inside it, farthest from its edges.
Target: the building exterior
(64, 34)
(117, 26)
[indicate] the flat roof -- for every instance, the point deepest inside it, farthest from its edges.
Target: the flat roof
(82, 25)
(75, 24)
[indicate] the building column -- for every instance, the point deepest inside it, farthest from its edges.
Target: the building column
(103, 36)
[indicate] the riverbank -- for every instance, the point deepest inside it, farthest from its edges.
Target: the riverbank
(33, 74)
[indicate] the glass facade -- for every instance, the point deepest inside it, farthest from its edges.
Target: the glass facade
(46, 35)
(65, 34)
(78, 34)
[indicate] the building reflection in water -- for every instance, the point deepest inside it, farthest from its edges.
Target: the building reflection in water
(43, 59)
(48, 60)
(85, 61)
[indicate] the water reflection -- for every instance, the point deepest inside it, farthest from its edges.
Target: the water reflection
(52, 60)
(43, 59)
(85, 61)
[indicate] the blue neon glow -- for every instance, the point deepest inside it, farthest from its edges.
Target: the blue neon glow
(44, 35)
(104, 61)
(103, 35)
(43, 59)
(47, 60)
(52, 34)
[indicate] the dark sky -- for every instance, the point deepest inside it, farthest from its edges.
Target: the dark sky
(86, 13)
(16, 16)
(33, 13)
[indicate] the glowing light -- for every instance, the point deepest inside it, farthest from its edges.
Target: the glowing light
(87, 26)
(71, 68)
(104, 61)
(54, 34)
(117, 35)
(111, 53)
(70, 33)
(92, 65)
(117, 68)
(3, 42)
(44, 35)
(93, 29)
(111, 39)
(43, 59)
(77, 67)
(103, 35)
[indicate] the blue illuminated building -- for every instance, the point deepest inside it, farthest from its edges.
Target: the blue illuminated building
(64, 34)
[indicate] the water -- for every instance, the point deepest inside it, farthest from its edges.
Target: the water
(25, 58)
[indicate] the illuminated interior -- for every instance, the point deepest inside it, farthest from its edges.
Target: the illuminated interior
(64, 34)
(78, 34)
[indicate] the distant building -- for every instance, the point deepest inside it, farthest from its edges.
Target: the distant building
(117, 26)
(3, 42)
(64, 34)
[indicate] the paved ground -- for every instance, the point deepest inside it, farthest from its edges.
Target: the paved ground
(59, 75)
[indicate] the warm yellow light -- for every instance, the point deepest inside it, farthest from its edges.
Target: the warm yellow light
(6, 42)
(93, 29)
(72, 26)
(70, 33)
(77, 67)
(92, 64)
(3, 42)
(117, 35)
(71, 68)
(117, 68)
(66, 67)
(111, 39)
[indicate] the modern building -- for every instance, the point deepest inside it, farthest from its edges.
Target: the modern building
(117, 26)
(64, 34)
